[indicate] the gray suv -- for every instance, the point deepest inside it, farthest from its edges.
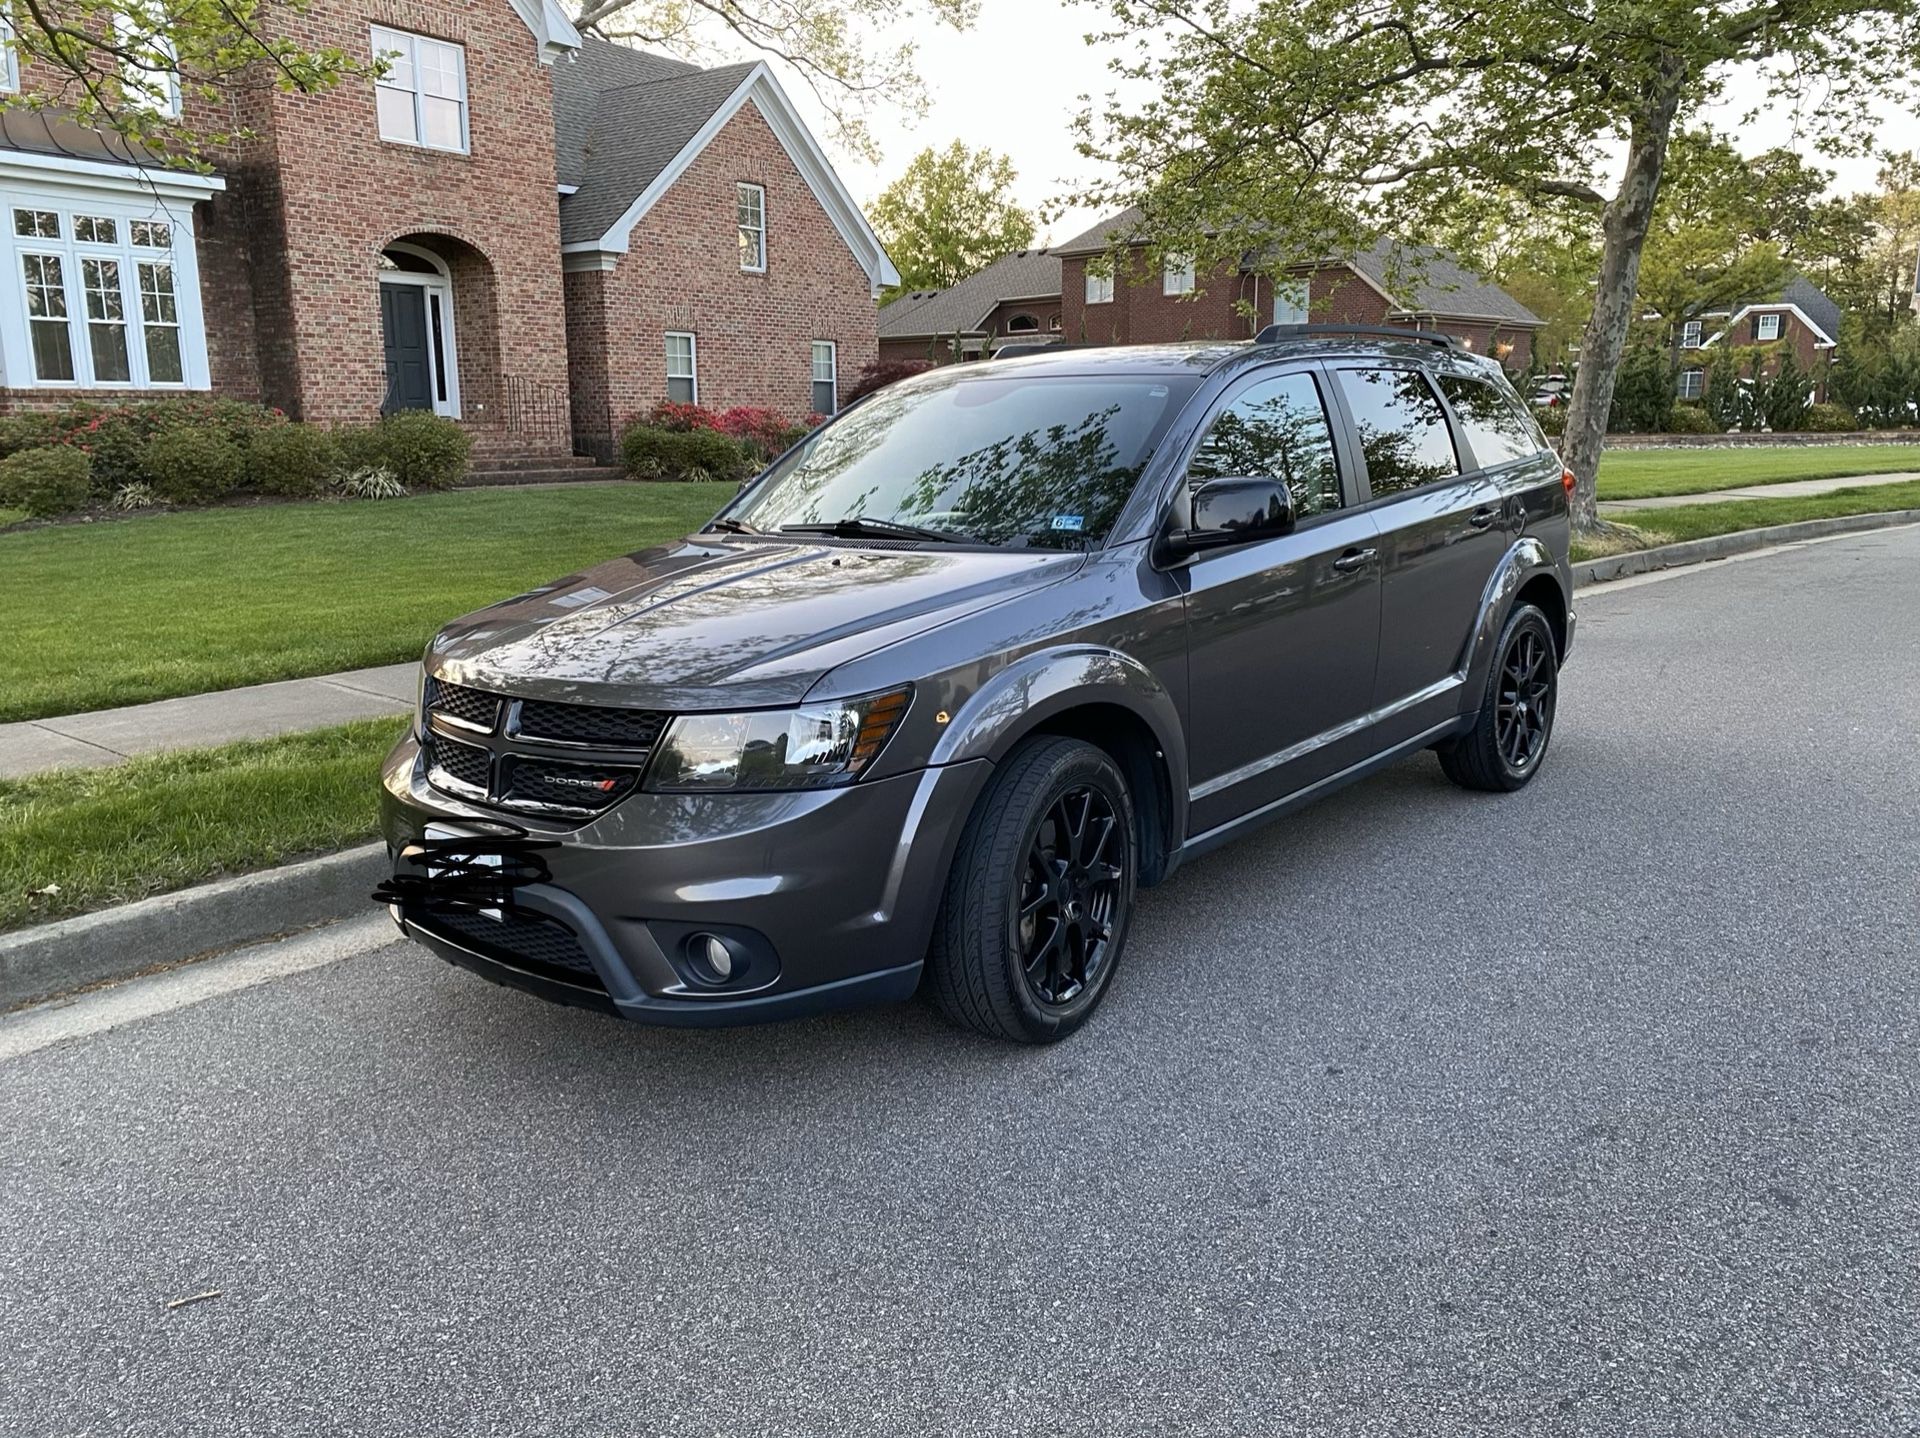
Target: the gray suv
(934, 696)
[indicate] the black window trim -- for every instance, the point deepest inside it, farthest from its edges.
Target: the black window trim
(1463, 447)
(1462, 453)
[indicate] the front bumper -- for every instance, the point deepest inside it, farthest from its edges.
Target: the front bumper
(833, 893)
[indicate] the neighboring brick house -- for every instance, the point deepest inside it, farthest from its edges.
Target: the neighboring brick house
(454, 238)
(1801, 319)
(1404, 285)
(1015, 299)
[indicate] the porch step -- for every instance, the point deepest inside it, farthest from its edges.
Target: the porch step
(586, 473)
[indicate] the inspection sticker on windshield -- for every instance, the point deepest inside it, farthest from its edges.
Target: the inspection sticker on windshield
(1069, 521)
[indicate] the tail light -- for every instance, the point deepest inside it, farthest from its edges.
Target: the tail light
(1567, 482)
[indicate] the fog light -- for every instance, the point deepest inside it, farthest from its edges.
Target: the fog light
(712, 955)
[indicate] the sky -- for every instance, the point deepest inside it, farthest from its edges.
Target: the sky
(1012, 83)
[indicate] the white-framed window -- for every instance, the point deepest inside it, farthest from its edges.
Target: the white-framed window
(1053, 324)
(1099, 289)
(1177, 279)
(149, 63)
(1291, 301)
(826, 377)
(1693, 383)
(422, 99)
(104, 301)
(750, 202)
(683, 368)
(1766, 327)
(9, 58)
(1690, 333)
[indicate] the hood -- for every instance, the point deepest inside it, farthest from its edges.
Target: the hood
(716, 622)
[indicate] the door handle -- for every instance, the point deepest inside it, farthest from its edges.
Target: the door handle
(1483, 517)
(1354, 559)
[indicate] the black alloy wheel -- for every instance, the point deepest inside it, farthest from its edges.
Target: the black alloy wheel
(1063, 926)
(1508, 741)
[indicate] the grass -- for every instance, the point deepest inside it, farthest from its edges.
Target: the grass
(105, 836)
(12, 516)
(1698, 521)
(1645, 473)
(126, 611)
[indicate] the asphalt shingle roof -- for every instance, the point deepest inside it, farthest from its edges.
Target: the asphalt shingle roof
(1813, 303)
(620, 117)
(963, 309)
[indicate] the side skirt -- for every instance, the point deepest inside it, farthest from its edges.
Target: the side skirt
(1213, 838)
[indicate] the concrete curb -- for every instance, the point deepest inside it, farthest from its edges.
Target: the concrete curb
(196, 923)
(1723, 546)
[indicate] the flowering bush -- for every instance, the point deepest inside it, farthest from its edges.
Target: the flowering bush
(681, 418)
(767, 432)
(882, 373)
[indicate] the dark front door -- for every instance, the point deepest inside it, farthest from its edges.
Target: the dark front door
(403, 326)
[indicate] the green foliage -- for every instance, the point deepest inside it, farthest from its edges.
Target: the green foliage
(115, 437)
(371, 482)
(1879, 380)
(692, 454)
(1642, 393)
(1691, 419)
(948, 216)
(1723, 398)
(1781, 398)
(138, 495)
(296, 461)
(1705, 250)
(1553, 420)
(195, 466)
(424, 451)
(45, 482)
(1830, 419)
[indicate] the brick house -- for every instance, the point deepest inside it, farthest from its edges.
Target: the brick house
(1800, 320)
(534, 234)
(1404, 285)
(1014, 299)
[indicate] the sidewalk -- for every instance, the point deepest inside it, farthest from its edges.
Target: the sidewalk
(260, 711)
(1792, 489)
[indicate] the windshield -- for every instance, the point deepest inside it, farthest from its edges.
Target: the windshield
(1031, 461)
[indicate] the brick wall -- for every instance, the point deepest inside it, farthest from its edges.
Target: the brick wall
(754, 332)
(1141, 312)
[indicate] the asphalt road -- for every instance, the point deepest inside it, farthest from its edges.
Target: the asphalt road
(1589, 1110)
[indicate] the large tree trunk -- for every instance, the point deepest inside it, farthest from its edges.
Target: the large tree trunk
(1624, 228)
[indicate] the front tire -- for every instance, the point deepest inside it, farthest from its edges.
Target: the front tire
(1508, 741)
(1040, 898)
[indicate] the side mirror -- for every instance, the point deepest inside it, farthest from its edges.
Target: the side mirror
(1234, 511)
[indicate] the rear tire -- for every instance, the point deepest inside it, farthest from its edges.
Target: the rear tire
(1508, 741)
(1040, 898)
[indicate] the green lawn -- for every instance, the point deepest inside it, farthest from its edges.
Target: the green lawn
(121, 612)
(105, 836)
(1644, 473)
(1697, 521)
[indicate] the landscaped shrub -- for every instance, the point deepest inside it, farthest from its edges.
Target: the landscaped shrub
(1553, 420)
(28, 431)
(1723, 399)
(297, 461)
(682, 417)
(424, 451)
(370, 482)
(45, 482)
(195, 466)
(1642, 393)
(768, 433)
(138, 495)
(696, 454)
(1830, 419)
(1691, 419)
(882, 373)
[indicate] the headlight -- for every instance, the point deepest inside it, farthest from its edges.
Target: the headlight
(812, 747)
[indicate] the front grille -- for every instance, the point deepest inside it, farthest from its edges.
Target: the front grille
(527, 941)
(573, 786)
(469, 706)
(462, 763)
(590, 724)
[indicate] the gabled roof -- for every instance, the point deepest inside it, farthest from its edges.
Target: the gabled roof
(627, 124)
(964, 308)
(1812, 301)
(550, 27)
(1414, 279)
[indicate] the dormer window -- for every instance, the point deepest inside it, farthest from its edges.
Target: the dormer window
(423, 96)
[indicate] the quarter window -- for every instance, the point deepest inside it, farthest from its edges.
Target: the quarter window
(683, 379)
(826, 377)
(752, 207)
(1402, 429)
(1494, 427)
(422, 99)
(1099, 289)
(1276, 429)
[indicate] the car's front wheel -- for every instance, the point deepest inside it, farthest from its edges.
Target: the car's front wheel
(1508, 741)
(1040, 898)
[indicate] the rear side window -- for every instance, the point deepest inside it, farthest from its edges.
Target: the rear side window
(1495, 427)
(1276, 429)
(1402, 429)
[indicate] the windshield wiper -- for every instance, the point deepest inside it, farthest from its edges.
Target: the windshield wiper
(734, 526)
(857, 527)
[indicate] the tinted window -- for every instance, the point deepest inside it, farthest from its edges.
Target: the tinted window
(1029, 461)
(1402, 429)
(1276, 429)
(1495, 428)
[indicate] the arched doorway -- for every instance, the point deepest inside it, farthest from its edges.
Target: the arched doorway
(417, 331)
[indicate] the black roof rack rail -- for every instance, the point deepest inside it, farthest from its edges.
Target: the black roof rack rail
(1021, 348)
(1273, 333)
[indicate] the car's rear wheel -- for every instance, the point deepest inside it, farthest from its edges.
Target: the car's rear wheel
(1040, 898)
(1508, 741)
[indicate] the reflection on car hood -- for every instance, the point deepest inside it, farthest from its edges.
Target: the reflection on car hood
(717, 622)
